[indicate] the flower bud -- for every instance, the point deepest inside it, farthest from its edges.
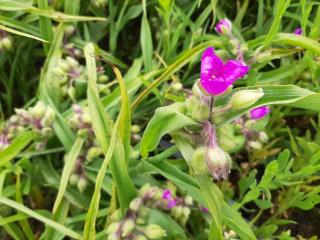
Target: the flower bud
(245, 98)
(46, 132)
(86, 118)
(74, 122)
(218, 162)
(140, 221)
(93, 153)
(6, 43)
(223, 27)
(74, 179)
(154, 231)
(38, 110)
(72, 93)
(259, 112)
(127, 227)
(176, 86)
(135, 129)
(103, 79)
(145, 188)
(177, 212)
(48, 117)
(188, 200)
(197, 109)
(135, 204)
(83, 133)
(263, 137)
(113, 227)
(198, 90)
(72, 62)
(82, 184)
(65, 67)
(198, 160)
(255, 145)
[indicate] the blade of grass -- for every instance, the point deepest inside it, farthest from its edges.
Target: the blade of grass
(21, 33)
(18, 144)
(125, 116)
(102, 125)
(67, 171)
(23, 222)
(39, 217)
(89, 227)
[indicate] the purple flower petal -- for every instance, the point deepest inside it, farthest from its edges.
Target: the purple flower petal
(233, 70)
(260, 112)
(166, 194)
(298, 31)
(171, 203)
(211, 71)
(211, 64)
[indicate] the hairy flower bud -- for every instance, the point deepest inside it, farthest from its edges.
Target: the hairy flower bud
(154, 231)
(197, 109)
(93, 153)
(127, 227)
(224, 27)
(198, 161)
(245, 98)
(74, 179)
(135, 204)
(82, 184)
(218, 162)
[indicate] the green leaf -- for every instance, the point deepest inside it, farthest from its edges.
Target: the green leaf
(21, 33)
(12, 5)
(165, 120)
(280, 8)
(288, 95)
(291, 40)
(102, 125)
(67, 171)
(90, 223)
(146, 40)
(234, 220)
(125, 114)
(39, 217)
(18, 144)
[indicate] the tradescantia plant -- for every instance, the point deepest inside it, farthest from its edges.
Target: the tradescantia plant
(159, 119)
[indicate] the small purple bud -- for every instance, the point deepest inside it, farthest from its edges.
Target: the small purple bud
(298, 31)
(224, 26)
(259, 112)
(204, 209)
(166, 194)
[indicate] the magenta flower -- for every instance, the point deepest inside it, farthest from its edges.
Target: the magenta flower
(217, 77)
(259, 112)
(204, 209)
(223, 26)
(298, 31)
(166, 194)
(171, 203)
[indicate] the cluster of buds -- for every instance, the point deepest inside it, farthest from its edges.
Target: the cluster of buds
(135, 133)
(99, 3)
(134, 225)
(70, 74)
(81, 122)
(5, 41)
(38, 119)
(254, 138)
(73, 79)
